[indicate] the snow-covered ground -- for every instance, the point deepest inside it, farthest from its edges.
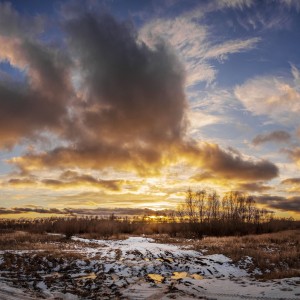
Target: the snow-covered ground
(136, 268)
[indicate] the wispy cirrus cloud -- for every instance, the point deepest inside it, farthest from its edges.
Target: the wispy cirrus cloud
(291, 4)
(241, 4)
(194, 42)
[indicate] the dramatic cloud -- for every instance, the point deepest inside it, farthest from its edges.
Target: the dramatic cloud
(130, 110)
(279, 136)
(231, 164)
(98, 114)
(128, 103)
(132, 103)
(38, 102)
(281, 203)
(124, 84)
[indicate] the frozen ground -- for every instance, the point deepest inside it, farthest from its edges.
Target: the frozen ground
(135, 268)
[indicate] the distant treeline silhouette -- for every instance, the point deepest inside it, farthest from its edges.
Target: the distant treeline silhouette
(202, 213)
(234, 214)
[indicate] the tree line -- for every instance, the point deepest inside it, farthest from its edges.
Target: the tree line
(206, 213)
(203, 212)
(203, 206)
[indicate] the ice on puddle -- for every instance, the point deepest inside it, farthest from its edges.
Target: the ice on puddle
(156, 277)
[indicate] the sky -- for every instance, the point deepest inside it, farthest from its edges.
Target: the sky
(127, 104)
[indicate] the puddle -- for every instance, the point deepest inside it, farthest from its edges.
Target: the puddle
(179, 275)
(156, 277)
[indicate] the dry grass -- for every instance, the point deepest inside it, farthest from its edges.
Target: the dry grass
(21, 240)
(277, 255)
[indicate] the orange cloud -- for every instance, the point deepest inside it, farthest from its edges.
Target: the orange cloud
(126, 110)
(230, 164)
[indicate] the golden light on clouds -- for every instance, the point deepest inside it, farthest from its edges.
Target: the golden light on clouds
(99, 112)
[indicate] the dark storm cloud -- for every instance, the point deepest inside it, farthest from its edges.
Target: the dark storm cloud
(112, 100)
(275, 136)
(133, 102)
(281, 203)
(39, 104)
(130, 104)
(230, 164)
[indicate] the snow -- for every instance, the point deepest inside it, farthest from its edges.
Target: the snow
(41, 285)
(140, 268)
(141, 244)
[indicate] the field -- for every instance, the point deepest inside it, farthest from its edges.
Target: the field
(38, 266)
